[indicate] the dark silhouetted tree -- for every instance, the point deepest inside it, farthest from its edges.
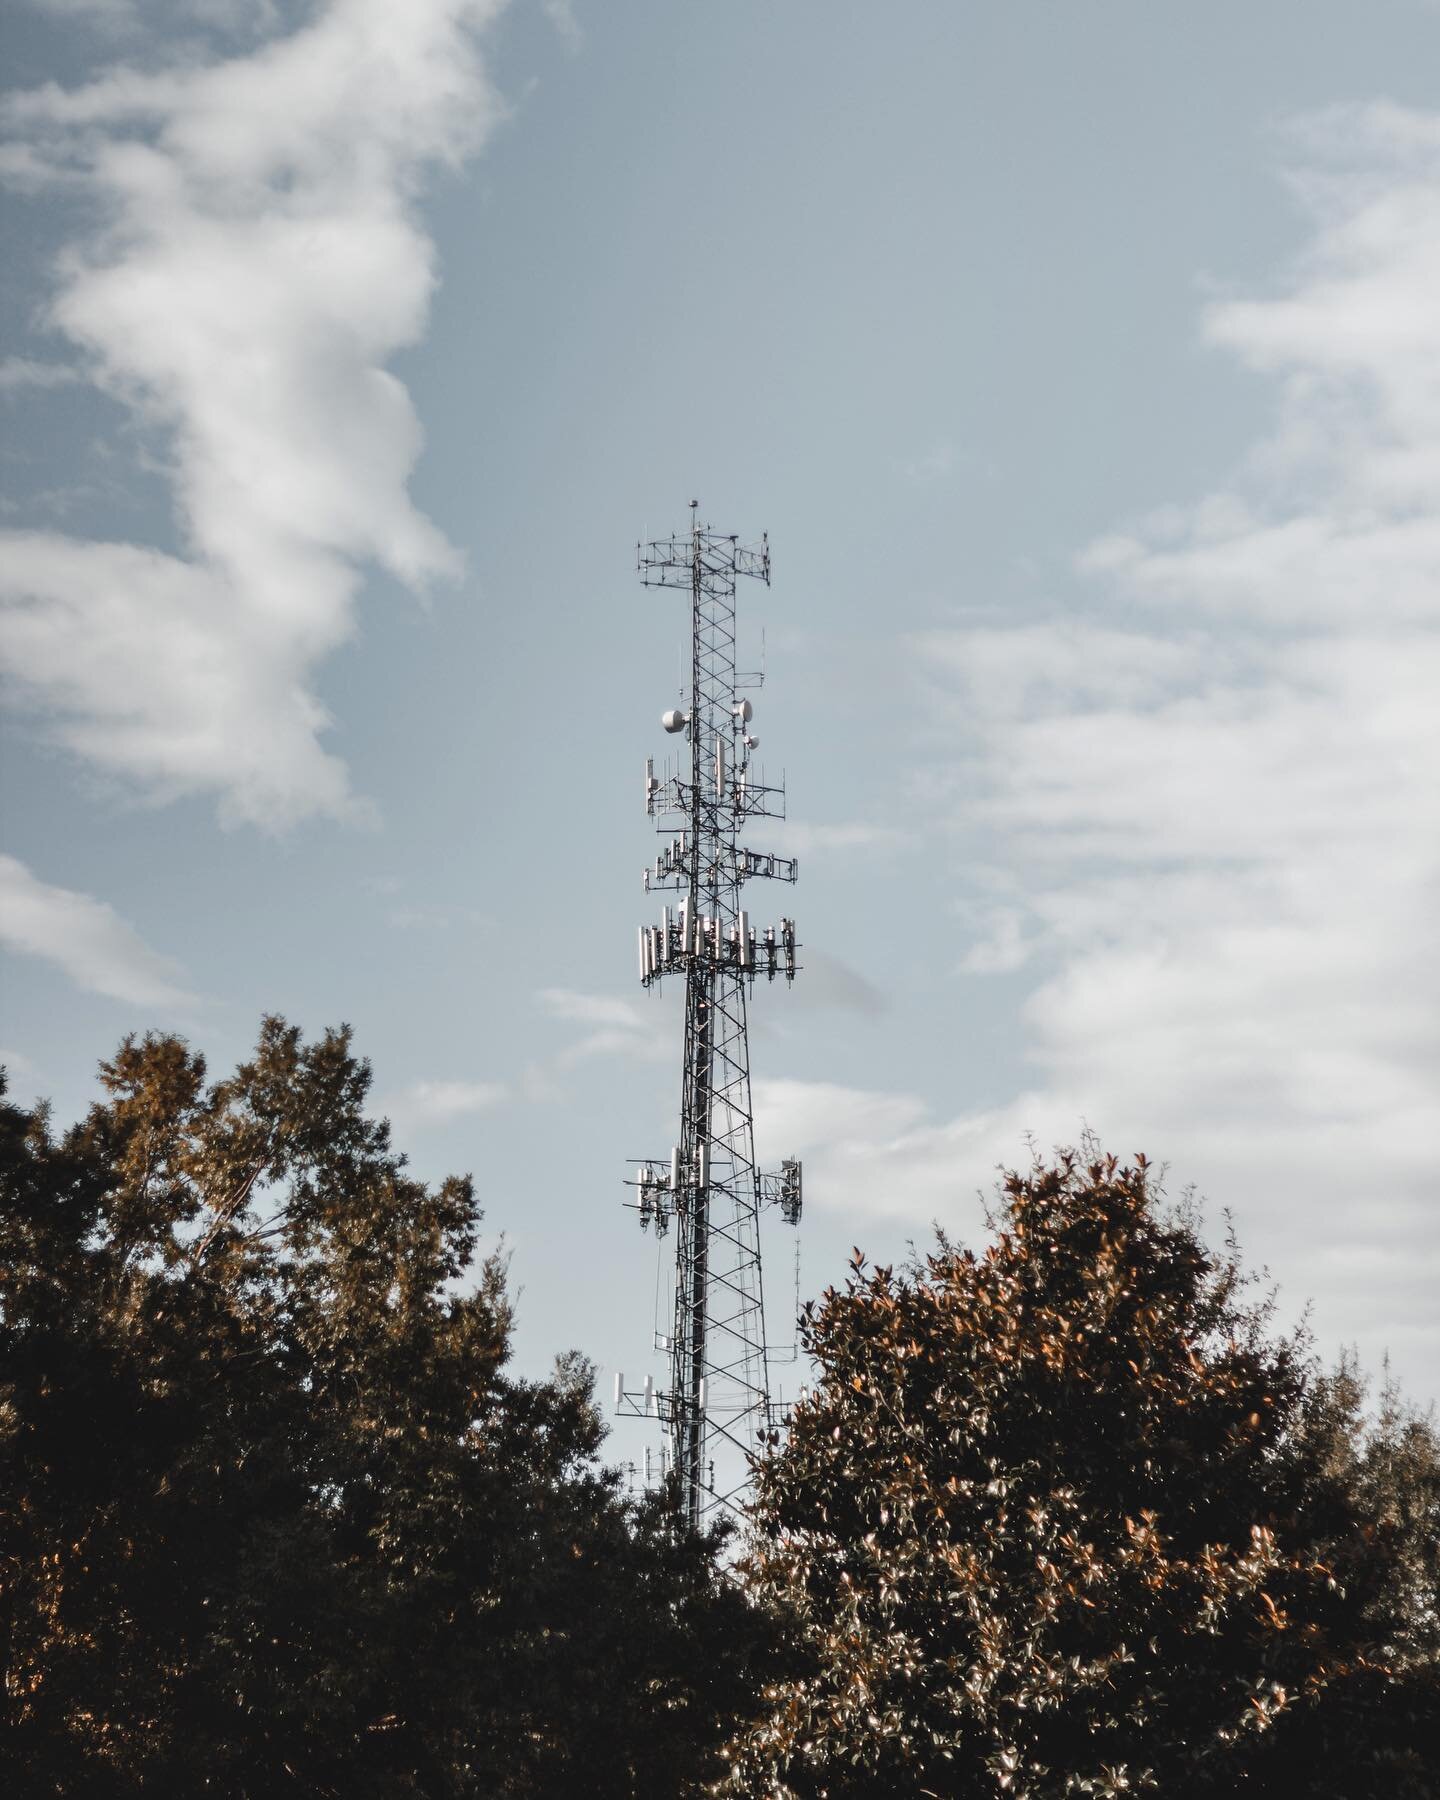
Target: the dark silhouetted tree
(1068, 1517)
(274, 1520)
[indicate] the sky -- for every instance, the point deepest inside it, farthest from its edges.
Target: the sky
(1082, 363)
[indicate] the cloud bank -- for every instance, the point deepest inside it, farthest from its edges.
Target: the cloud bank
(257, 259)
(1205, 812)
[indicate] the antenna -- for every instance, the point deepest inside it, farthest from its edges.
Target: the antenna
(717, 1413)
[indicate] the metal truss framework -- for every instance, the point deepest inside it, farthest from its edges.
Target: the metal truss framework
(717, 1411)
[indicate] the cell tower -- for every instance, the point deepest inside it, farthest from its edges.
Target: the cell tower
(717, 1410)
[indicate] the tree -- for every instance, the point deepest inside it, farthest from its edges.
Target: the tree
(273, 1517)
(1068, 1518)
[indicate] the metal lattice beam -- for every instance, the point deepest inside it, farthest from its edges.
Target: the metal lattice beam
(717, 1410)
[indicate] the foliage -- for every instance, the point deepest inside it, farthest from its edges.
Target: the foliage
(1069, 1518)
(273, 1518)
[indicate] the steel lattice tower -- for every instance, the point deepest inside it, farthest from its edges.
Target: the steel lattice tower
(717, 1410)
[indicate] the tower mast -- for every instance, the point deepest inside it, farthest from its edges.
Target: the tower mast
(717, 1410)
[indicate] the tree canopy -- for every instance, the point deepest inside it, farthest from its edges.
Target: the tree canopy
(1069, 1517)
(274, 1518)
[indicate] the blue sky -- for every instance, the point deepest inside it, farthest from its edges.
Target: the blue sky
(1080, 362)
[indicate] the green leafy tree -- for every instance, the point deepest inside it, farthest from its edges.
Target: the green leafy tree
(274, 1519)
(1067, 1517)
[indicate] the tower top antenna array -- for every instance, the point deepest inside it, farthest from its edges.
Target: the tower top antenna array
(717, 1411)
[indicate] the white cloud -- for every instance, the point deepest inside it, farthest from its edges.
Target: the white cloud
(437, 916)
(605, 1025)
(86, 938)
(611, 1027)
(1209, 803)
(879, 1155)
(936, 464)
(102, 12)
(591, 1009)
(17, 372)
(1002, 949)
(260, 260)
(441, 1102)
(851, 836)
(561, 14)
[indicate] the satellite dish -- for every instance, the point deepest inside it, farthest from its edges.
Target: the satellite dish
(674, 720)
(752, 743)
(744, 711)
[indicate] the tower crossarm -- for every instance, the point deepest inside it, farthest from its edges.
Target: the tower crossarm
(670, 871)
(700, 553)
(762, 865)
(743, 794)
